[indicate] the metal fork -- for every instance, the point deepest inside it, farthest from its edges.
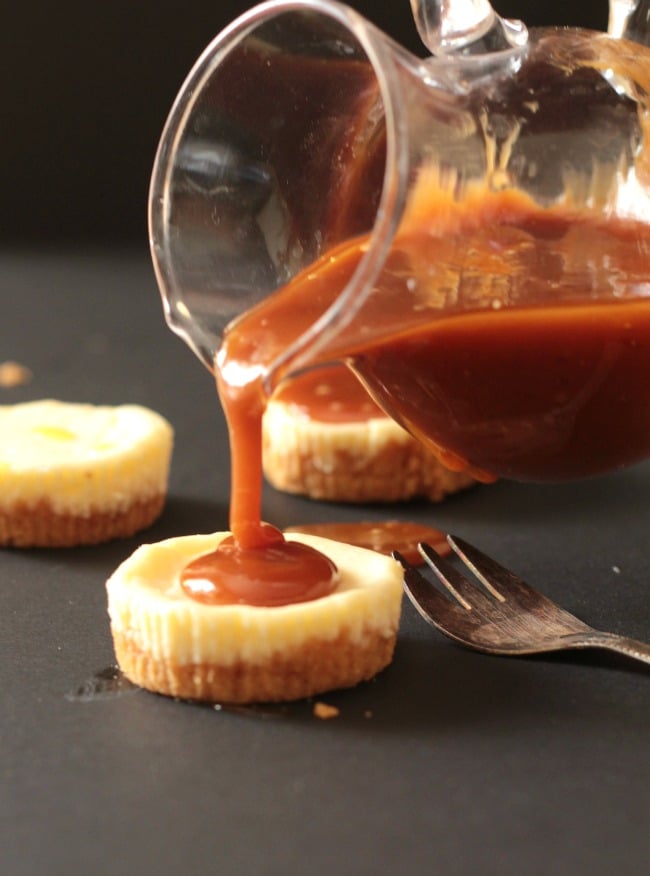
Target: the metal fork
(505, 615)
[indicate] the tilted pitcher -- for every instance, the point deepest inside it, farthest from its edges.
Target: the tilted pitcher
(455, 227)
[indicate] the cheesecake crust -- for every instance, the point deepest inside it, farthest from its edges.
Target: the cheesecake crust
(39, 525)
(317, 666)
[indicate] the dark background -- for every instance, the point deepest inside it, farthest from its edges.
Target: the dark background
(86, 87)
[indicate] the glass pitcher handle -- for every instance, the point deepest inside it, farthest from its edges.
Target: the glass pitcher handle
(629, 19)
(467, 26)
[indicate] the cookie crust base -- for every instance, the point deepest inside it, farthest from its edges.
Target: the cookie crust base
(316, 667)
(38, 525)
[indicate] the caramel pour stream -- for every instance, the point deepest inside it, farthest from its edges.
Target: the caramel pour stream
(256, 566)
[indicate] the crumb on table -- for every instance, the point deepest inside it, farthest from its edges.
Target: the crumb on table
(325, 711)
(13, 374)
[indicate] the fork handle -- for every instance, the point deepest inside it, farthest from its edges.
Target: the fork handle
(622, 644)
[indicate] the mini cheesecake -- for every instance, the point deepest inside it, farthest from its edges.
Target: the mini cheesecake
(73, 474)
(324, 437)
(171, 644)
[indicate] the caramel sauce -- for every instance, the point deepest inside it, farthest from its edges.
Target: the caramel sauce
(526, 345)
(573, 398)
(278, 573)
(519, 345)
(330, 394)
(384, 537)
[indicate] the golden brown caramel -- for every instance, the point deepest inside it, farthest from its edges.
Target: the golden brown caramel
(381, 536)
(277, 573)
(533, 375)
(331, 394)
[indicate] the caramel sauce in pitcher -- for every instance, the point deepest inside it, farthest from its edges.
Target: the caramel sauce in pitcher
(519, 345)
(330, 394)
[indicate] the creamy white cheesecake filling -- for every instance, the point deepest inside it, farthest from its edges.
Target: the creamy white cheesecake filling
(81, 458)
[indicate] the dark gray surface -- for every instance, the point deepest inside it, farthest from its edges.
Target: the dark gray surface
(450, 762)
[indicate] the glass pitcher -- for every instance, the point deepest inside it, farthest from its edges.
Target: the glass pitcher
(469, 231)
